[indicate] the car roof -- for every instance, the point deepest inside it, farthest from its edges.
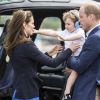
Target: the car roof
(36, 4)
(40, 4)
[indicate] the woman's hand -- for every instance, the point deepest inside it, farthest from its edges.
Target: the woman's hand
(55, 50)
(74, 46)
(61, 38)
(36, 31)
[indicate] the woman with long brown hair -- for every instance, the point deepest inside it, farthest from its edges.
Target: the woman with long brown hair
(25, 56)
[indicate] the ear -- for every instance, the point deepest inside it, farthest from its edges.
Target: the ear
(24, 25)
(91, 16)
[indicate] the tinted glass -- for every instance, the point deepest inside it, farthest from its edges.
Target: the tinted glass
(53, 0)
(9, 1)
(45, 43)
(3, 19)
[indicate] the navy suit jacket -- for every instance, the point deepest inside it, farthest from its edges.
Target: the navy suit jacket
(88, 67)
(26, 58)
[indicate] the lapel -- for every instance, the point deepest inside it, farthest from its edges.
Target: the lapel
(91, 33)
(94, 30)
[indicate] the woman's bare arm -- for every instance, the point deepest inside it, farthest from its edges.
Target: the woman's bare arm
(48, 32)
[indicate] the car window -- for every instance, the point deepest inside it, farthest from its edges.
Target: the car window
(3, 19)
(9, 1)
(53, 0)
(43, 42)
(85, 1)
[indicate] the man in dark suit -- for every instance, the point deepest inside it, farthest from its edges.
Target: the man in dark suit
(88, 63)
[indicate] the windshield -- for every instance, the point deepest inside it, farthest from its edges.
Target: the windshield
(9, 1)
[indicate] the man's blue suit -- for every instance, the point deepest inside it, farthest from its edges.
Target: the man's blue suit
(88, 67)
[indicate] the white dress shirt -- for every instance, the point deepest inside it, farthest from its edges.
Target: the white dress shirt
(81, 40)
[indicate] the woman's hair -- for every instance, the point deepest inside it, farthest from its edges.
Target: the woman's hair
(92, 8)
(72, 14)
(16, 29)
